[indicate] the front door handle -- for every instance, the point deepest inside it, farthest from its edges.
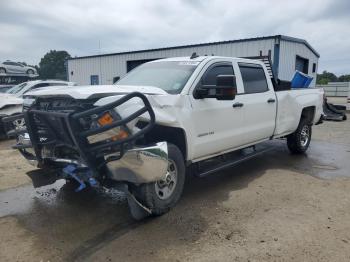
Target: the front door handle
(271, 100)
(237, 104)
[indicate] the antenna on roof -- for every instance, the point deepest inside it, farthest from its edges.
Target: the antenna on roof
(194, 55)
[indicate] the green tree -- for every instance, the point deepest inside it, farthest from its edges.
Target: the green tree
(52, 65)
(344, 78)
(325, 77)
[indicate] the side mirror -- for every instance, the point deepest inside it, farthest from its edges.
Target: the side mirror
(225, 89)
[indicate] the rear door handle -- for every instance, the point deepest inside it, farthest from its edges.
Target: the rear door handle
(237, 104)
(271, 100)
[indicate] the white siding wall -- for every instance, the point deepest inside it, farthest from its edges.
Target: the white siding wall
(111, 66)
(288, 53)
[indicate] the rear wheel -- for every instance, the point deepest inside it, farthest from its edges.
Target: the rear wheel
(162, 195)
(2, 71)
(299, 141)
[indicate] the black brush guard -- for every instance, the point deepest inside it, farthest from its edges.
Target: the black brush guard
(67, 130)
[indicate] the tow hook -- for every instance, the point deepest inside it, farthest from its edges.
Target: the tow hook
(72, 170)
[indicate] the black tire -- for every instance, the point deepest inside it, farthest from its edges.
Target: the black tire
(2, 70)
(30, 72)
(299, 141)
(147, 193)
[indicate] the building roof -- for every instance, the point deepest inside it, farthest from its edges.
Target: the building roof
(281, 37)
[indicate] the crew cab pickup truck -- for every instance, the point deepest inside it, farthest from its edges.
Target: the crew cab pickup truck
(162, 120)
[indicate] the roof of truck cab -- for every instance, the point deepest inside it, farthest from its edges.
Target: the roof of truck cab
(181, 59)
(201, 58)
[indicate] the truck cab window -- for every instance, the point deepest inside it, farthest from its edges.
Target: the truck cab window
(209, 78)
(254, 78)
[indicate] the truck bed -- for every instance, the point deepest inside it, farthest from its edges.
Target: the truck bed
(290, 104)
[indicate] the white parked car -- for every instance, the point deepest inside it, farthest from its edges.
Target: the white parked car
(161, 120)
(11, 102)
(9, 67)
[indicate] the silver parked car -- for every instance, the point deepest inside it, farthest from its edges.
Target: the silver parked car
(9, 67)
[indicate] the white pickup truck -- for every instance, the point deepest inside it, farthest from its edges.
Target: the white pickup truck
(162, 120)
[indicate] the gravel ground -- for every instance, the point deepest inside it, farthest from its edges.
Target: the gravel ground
(276, 207)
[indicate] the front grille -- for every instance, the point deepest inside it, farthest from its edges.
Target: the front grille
(54, 129)
(64, 105)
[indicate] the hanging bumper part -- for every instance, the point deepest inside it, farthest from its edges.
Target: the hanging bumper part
(141, 165)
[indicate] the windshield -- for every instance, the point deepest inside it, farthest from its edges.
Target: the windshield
(168, 75)
(16, 89)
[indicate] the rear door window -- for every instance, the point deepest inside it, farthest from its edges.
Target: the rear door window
(254, 78)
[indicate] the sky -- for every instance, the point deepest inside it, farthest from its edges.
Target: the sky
(31, 28)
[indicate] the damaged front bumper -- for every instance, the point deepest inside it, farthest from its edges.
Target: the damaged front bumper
(141, 165)
(138, 165)
(120, 160)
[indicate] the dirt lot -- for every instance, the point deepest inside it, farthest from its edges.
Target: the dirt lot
(277, 207)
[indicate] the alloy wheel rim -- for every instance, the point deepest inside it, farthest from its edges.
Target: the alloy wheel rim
(305, 135)
(165, 188)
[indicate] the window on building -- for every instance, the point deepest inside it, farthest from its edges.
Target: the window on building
(116, 79)
(209, 78)
(302, 64)
(94, 80)
(314, 68)
(254, 78)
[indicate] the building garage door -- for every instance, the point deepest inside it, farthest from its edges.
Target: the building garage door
(302, 64)
(130, 65)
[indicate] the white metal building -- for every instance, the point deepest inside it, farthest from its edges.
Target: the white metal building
(286, 53)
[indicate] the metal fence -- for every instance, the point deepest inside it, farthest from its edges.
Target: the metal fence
(340, 89)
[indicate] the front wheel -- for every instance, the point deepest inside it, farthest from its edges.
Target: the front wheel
(299, 141)
(30, 72)
(162, 195)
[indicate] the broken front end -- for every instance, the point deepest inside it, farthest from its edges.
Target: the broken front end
(93, 145)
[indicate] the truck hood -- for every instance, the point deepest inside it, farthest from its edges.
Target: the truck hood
(9, 99)
(166, 106)
(85, 92)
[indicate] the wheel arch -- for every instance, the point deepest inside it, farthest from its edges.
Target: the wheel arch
(174, 135)
(308, 113)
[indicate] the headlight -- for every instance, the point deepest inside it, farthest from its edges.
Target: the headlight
(114, 134)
